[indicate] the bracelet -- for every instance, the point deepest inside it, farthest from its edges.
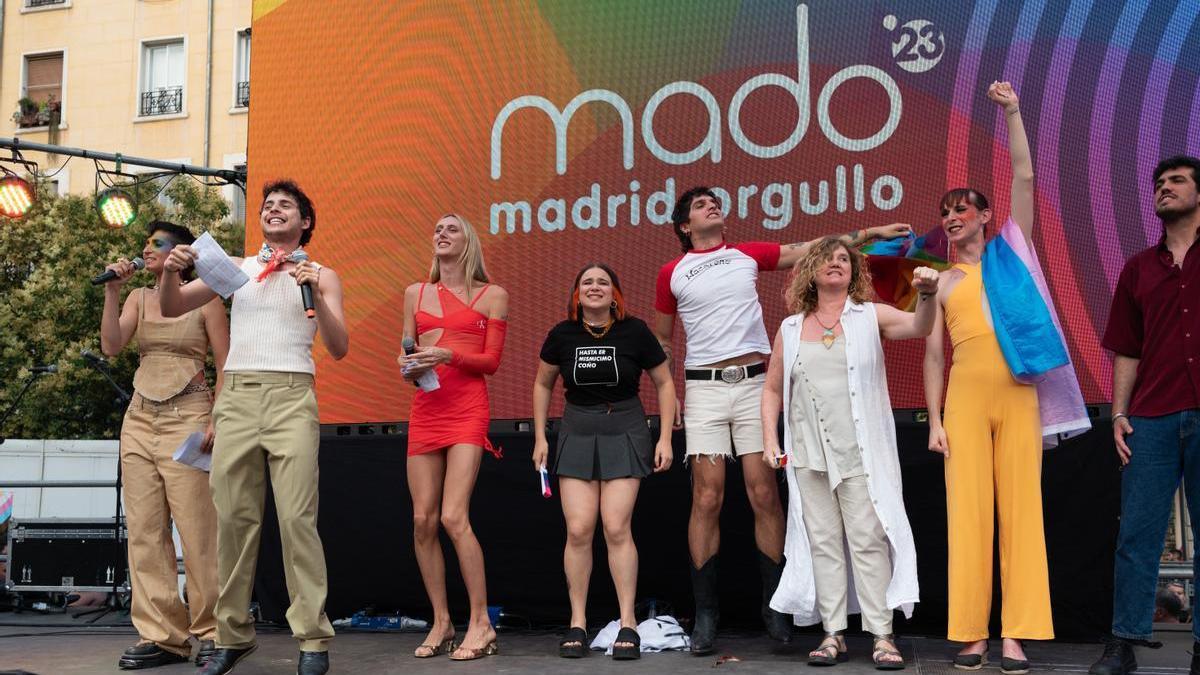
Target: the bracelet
(925, 296)
(1117, 416)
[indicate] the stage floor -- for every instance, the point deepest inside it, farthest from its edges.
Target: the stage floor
(62, 646)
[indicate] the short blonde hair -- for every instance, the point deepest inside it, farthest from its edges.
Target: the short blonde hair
(471, 259)
(801, 293)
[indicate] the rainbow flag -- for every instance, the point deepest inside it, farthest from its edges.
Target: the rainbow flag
(892, 263)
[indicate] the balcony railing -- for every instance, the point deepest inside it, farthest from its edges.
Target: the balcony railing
(161, 101)
(243, 94)
(30, 4)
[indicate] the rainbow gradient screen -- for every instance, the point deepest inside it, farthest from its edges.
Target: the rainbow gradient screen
(563, 131)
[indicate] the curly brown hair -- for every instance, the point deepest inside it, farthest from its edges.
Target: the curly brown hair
(801, 293)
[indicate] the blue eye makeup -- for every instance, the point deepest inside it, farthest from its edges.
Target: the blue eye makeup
(161, 244)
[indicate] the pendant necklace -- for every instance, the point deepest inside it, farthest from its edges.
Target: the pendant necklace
(827, 336)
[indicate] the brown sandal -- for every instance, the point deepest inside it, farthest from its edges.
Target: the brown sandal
(430, 651)
(877, 654)
(490, 649)
(829, 652)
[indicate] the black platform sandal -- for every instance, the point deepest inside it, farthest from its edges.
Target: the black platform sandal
(574, 644)
(829, 652)
(1013, 666)
(633, 648)
(971, 661)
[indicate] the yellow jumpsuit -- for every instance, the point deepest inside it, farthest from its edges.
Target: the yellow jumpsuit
(994, 432)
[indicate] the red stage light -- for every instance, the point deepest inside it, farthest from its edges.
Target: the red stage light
(16, 197)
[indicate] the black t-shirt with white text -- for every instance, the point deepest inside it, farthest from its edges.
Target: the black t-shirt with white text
(602, 370)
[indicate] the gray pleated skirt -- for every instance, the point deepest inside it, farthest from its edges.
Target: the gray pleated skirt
(603, 442)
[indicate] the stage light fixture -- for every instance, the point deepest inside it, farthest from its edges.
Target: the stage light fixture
(16, 196)
(116, 207)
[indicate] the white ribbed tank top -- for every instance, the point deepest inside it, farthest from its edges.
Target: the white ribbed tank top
(268, 330)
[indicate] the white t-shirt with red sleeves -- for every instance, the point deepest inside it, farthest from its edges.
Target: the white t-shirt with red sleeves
(715, 292)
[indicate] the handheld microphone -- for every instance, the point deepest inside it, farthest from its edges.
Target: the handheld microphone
(409, 347)
(306, 294)
(109, 275)
(52, 368)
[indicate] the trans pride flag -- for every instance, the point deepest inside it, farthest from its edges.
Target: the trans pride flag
(6, 504)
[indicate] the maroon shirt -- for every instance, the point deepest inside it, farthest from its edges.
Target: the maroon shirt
(1155, 317)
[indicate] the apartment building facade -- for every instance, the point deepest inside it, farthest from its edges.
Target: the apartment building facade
(163, 79)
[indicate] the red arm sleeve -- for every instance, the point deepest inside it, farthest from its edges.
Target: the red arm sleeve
(664, 299)
(766, 254)
(487, 361)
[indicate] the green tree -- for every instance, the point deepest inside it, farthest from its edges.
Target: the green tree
(49, 312)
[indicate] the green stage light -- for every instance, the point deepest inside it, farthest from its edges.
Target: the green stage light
(16, 197)
(117, 208)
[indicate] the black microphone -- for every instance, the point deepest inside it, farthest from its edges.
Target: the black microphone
(306, 296)
(409, 346)
(52, 368)
(109, 275)
(94, 358)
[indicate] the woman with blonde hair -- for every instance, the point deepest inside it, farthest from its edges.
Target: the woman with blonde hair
(459, 331)
(827, 376)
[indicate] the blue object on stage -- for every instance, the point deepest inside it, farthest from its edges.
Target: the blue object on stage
(393, 623)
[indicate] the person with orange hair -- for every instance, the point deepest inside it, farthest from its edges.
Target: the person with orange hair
(604, 446)
(459, 320)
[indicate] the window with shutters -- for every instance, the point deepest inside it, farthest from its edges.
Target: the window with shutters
(241, 75)
(163, 74)
(42, 94)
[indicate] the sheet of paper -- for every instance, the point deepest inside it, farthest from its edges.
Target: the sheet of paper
(427, 382)
(189, 453)
(216, 268)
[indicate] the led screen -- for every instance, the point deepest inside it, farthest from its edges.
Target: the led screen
(564, 130)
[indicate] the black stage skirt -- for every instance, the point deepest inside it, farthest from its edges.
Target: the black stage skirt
(603, 442)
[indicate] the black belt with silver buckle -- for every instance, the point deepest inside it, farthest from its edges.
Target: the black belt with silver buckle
(730, 374)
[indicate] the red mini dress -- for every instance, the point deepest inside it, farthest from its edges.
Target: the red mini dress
(457, 411)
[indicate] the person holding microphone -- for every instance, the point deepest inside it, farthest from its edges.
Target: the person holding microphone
(604, 446)
(266, 418)
(459, 320)
(171, 401)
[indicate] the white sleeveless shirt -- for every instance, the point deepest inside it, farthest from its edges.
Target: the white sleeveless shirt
(268, 330)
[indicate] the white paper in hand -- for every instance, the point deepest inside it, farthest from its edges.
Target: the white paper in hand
(216, 268)
(190, 453)
(428, 381)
